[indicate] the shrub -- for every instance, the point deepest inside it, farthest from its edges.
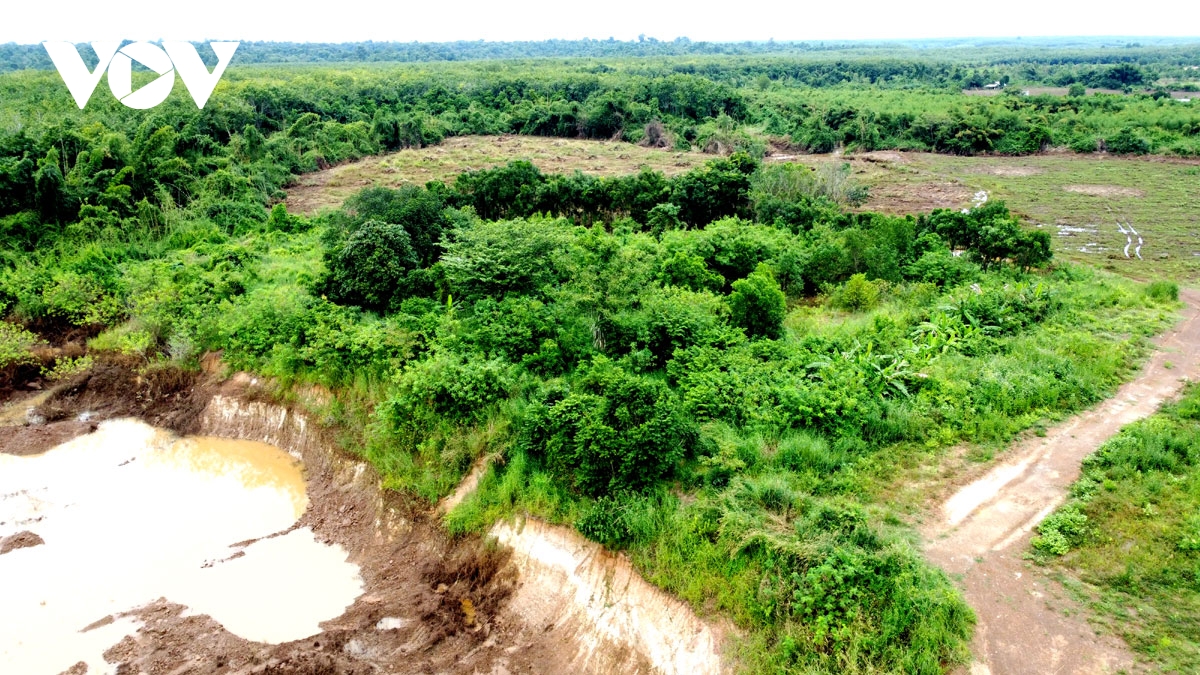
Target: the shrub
(281, 221)
(672, 318)
(663, 217)
(690, 272)
(14, 349)
(943, 268)
(419, 211)
(370, 268)
(616, 432)
(758, 304)
(1163, 291)
(492, 258)
(450, 385)
(79, 299)
(605, 522)
(1127, 142)
(66, 368)
(857, 294)
(1060, 530)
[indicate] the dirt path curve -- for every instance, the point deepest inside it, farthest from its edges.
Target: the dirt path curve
(982, 531)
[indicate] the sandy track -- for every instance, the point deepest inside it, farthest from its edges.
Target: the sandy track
(982, 531)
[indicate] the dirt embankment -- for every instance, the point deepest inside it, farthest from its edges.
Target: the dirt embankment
(594, 603)
(431, 603)
(983, 530)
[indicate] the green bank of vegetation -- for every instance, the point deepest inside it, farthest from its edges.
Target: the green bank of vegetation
(858, 101)
(1131, 530)
(722, 372)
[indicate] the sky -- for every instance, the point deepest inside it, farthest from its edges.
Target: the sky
(447, 20)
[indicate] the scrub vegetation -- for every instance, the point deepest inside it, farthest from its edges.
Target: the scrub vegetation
(720, 370)
(1131, 531)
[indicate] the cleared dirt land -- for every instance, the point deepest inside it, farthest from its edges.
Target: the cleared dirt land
(331, 187)
(1079, 198)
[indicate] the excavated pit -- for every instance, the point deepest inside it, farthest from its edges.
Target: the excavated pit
(542, 600)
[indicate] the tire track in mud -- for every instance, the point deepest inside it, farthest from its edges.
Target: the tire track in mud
(983, 530)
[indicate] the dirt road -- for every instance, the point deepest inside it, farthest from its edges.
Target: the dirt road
(983, 530)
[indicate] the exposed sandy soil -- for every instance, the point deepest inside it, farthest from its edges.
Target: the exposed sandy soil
(1013, 171)
(431, 604)
(902, 199)
(1105, 190)
(412, 572)
(330, 187)
(1026, 624)
(22, 539)
(593, 599)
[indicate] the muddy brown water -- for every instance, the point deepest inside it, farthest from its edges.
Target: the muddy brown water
(540, 600)
(131, 514)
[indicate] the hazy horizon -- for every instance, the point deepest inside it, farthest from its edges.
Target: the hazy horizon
(539, 20)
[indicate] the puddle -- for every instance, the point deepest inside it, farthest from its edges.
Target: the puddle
(131, 514)
(18, 413)
(1070, 230)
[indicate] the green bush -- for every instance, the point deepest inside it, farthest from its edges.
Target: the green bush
(448, 385)
(605, 522)
(420, 212)
(758, 304)
(1128, 142)
(689, 271)
(1060, 530)
(1163, 291)
(493, 258)
(370, 268)
(617, 431)
(857, 295)
(14, 349)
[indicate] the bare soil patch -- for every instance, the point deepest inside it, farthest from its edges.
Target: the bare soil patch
(1105, 190)
(595, 603)
(1026, 622)
(23, 539)
(1009, 171)
(917, 197)
(883, 157)
(411, 570)
(443, 162)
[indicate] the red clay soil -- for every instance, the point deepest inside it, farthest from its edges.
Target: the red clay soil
(1026, 622)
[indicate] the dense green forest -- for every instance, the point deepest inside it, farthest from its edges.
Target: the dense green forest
(722, 372)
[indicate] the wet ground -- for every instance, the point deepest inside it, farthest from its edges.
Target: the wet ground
(424, 602)
(218, 539)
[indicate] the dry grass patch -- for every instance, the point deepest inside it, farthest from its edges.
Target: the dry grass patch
(1105, 190)
(329, 188)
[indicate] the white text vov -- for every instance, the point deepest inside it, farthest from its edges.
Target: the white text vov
(118, 61)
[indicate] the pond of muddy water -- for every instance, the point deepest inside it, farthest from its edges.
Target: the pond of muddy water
(130, 514)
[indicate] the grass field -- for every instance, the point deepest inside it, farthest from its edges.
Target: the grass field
(1079, 197)
(1131, 533)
